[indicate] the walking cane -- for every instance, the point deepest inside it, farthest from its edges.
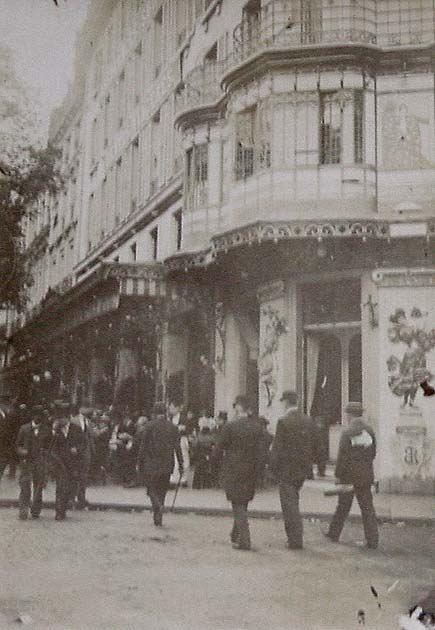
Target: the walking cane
(176, 491)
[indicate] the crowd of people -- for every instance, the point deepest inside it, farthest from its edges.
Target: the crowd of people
(80, 445)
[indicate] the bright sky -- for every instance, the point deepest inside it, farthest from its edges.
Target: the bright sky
(42, 38)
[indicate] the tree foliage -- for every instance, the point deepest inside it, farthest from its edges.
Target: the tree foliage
(25, 182)
(27, 173)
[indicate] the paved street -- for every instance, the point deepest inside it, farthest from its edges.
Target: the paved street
(109, 570)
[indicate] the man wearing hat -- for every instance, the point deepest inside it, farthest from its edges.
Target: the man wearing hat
(291, 462)
(240, 445)
(356, 452)
(32, 446)
(83, 420)
(66, 452)
(160, 441)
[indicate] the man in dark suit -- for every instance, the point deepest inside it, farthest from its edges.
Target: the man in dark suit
(32, 445)
(83, 420)
(240, 445)
(66, 452)
(291, 462)
(160, 441)
(356, 452)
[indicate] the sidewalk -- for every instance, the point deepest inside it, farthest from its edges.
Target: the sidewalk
(389, 508)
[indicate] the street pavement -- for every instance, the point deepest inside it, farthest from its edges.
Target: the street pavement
(265, 504)
(116, 571)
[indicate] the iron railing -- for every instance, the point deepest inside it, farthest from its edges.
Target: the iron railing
(282, 24)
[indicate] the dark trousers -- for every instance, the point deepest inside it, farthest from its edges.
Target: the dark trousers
(240, 533)
(157, 487)
(66, 490)
(31, 475)
(82, 481)
(365, 500)
(289, 497)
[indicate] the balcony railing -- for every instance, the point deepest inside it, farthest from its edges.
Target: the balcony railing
(282, 24)
(201, 86)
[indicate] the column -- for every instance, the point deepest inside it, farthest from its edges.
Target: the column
(231, 377)
(406, 357)
(278, 355)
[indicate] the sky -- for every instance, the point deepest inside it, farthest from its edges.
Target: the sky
(41, 37)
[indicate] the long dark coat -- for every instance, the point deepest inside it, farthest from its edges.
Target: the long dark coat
(160, 441)
(355, 459)
(36, 446)
(241, 443)
(292, 454)
(60, 450)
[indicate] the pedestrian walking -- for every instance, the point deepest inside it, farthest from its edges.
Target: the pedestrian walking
(83, 421)
(356, 452)
(66, 453)
(32, 446)
(160, 442)
(291, 462)
(240, 445)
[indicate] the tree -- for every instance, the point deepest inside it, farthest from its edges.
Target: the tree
(26, 173)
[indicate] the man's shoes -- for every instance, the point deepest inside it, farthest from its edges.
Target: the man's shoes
(35, 515)
(372, 546)
(329, 537)
(158, 518)
(242, 546)
(81, 505)
(295, 546)
(60, 517)
(23, 515)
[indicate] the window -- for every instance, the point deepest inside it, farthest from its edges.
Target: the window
(252, 141)
(331, 126)
(178, 218)
(358, 111)
(154, 235)
(197, 175)
(158, 43)
(133, 252)
(212, 53)
(330, 129)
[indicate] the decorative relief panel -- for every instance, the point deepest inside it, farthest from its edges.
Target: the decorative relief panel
(403, 130)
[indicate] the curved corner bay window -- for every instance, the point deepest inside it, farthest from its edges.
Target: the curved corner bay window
(197, 176)
(253, 131)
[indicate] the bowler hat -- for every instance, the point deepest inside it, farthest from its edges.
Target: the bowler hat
(354, 409)
(290, 396)
(159, 409)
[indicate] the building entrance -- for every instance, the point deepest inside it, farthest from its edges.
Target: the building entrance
(332, 357)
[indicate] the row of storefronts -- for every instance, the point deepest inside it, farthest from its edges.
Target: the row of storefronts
(329, 314)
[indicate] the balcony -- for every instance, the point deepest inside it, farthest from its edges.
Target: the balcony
(327, 23)
(282, 25)
(201, 87)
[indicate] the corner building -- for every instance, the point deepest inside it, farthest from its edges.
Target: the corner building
(257, 214)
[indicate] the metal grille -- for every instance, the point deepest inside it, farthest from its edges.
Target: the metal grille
(252, 141)
(330, 129)
(197, 175)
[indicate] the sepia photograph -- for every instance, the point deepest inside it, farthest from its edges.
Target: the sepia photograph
(217, 314)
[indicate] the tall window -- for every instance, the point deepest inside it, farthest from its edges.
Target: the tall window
(252, 141)
(133, 252)
(358, 112)
(332, 108)
(197, 175)
(154, 235)
(330, 129)
(178, 219)
(311, 21)
(158, 43)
